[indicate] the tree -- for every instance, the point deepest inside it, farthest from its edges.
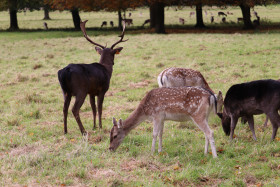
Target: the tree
(46, 12)
(199, 16)
(71, 5)
(15, 5)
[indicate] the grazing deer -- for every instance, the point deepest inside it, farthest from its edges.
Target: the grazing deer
(104, 23)
(146, 22)
(256, 22)
(112, 23)
(244, 120)
(93, 79)
(239, 20)
(177, 77)
(212, 19)
(192, 14)
(248, 99)
(46, 26)
(224, 20)
(182, 21)
(128, 22)
(221, 14)
(176, 104)
(229, 13)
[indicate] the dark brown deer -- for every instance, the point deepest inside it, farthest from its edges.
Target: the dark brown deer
(176, 77)
(182, 21)
(176, 104)
(94, 79)
(146, 22)
(248, 99)
(104, 23)
(128, 22)
(221, 14)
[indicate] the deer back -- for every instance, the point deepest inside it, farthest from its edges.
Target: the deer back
(175, 77)
(176, 103)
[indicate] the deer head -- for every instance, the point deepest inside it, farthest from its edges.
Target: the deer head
(117, 135)
(107, 54)
(225, 121)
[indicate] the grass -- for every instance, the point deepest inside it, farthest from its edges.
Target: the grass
(34, 151)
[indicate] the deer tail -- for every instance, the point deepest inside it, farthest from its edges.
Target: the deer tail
(64, 75)
(213, 103)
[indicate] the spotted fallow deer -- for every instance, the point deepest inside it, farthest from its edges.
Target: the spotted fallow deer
(176, 77)
(94, 79)
(176, 104)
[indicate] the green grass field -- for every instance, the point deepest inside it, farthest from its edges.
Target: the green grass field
(34, 151)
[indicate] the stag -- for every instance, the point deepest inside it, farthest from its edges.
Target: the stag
(94, 79)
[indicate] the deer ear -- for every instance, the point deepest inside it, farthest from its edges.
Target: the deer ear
(120, 124)
(115, 121)
(220, 115)
(99, 50)
(118, 50)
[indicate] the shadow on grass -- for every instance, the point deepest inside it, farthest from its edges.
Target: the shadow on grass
(218, 28)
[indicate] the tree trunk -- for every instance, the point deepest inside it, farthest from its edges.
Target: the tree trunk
(199, 16)
(13, 20)
(159, 17)
(246, 16)
(13, 15)
(46, 13)
(152, 16)
(76, 18)
(120, 19)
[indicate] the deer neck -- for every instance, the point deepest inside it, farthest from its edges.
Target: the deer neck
(134, 119)
(107, 63)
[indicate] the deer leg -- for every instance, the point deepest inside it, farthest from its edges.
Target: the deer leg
(275, 121)
(206, 145)
(75, 110)
(160, 136)
(232, 126)
(209, 136)
(156, 130)
(100, 103)
(251, 125)
(67, 100)
(93, 107)
(266, 121)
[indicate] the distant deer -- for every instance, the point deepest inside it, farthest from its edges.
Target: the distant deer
(93, 79)
(176, 104)
(229, 13)
(176, 77)
(104, 23)
(192, 14)
(212, 19)
(182, 21)
(129, 14)
(221, 14)
(112, 23)
(239, 20)
(46, 26)
(224, 20)
(257, 21)
(248, 99)
(146, 22)
(128, 21)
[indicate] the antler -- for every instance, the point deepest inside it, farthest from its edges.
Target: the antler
(122, 35)
(83, 28)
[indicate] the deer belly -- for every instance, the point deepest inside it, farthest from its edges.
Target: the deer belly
(177, 117)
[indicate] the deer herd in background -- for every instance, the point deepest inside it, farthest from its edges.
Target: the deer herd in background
(183, 95)
(182, 21)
